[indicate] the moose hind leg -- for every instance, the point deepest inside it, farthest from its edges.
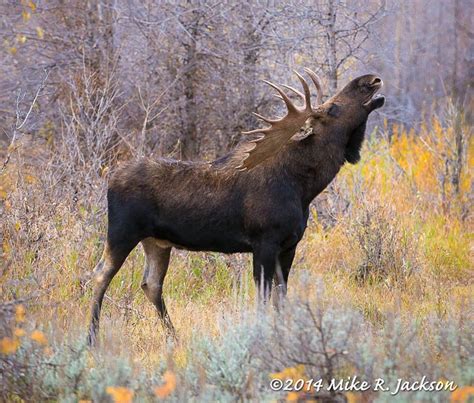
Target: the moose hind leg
(282, 271)
(156, 265)
(264, 262)
(108, 266)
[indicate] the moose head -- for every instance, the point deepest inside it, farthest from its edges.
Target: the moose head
(343, 115)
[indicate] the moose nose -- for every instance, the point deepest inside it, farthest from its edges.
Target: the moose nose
(376, 81)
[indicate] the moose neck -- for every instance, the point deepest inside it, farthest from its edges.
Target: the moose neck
(313, 163)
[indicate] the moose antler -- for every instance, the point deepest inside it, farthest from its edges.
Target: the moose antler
(281, 130)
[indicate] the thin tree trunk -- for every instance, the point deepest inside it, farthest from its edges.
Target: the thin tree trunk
(398, 51)
(459, 146)
(253, 39)
(332, 57)
(189, 148)
(189, 139)
(457, 18)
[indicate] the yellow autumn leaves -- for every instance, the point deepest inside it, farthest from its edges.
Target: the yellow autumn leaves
(10, 344)
(29, 7)
(462, 395)
(423, 155)
(39, 337)
(40, 32)
(20, 314)
(168, 386)
(121, 394)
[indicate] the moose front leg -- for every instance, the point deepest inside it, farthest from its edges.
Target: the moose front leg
(282, 271)
(264, 262)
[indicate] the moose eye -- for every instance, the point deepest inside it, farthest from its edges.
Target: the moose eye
(334, 110)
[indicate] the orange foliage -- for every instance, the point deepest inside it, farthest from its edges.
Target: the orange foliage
(294, 373)
(19, 332)
(9, 345)
(39, 337)
(20, 313)
(120, 394)
(462, 395)
(168, 387)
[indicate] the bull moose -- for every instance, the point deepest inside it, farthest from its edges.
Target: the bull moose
(255, 199)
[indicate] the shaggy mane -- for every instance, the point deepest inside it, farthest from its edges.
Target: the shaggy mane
(235, 157)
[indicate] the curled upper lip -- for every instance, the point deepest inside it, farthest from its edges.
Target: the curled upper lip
(376, 84)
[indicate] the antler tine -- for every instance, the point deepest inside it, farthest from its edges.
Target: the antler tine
(262, 131)
(290, 106)
(307, 92)
(317, 84)
(289, 87)
(267, 120)
(271, 139)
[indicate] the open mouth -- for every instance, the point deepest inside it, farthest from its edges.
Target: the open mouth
(375, 100)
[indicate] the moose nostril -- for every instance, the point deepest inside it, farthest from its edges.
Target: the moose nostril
(376, 81)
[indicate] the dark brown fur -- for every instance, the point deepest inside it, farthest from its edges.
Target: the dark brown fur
(215, 207)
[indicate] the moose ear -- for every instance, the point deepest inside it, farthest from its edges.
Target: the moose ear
(305, 131)
(334, 110)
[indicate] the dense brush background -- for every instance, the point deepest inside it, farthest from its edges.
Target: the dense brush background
(382, 283)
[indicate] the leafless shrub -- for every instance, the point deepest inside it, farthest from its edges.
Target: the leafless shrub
(387, 250)
(89, 136)
(313, 335)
